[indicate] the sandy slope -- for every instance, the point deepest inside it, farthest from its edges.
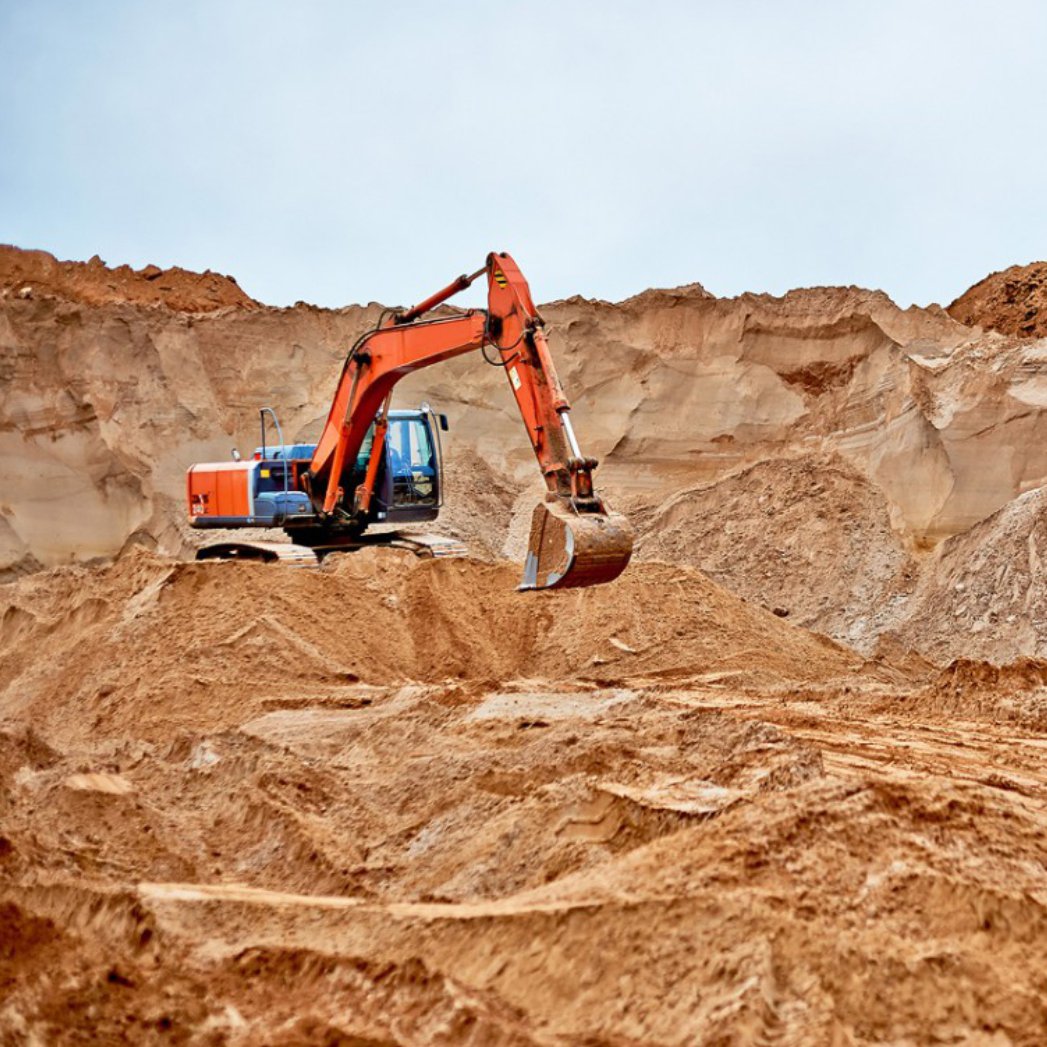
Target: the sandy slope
(395, 801)
(1011, 302)
(937, 425)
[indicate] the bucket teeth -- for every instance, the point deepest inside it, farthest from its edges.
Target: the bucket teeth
(569, 550)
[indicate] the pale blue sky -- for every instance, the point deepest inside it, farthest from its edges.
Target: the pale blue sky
(341, 152)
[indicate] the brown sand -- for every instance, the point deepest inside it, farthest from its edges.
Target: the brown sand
(394, 801)
(808, 538)
(1013, 302)
(31, 274)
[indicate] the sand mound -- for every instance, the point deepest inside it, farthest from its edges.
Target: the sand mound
(1015, 693)
(808, 538)
(985, 596)
(916, 421)
(1013, 302)
(222, 641)
(31, 274)
(478, 503)
(394, 800)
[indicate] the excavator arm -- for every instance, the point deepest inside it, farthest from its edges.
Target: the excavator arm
(575, 540)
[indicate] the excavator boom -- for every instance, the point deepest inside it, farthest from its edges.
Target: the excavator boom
(575, 539)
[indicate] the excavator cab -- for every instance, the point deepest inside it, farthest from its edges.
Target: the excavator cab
(409, 487)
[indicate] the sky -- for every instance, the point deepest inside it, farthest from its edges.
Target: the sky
(341, 152)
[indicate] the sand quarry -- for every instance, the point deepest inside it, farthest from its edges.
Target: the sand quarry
(782, 782)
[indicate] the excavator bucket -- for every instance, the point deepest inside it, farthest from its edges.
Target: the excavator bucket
(568, 550)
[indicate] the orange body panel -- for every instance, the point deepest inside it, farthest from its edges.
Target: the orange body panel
(222, 489)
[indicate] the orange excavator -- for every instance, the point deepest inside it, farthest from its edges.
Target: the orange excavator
(373, 464)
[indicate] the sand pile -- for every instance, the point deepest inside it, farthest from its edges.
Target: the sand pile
(1013, 302)
(393, 801)
(254, 637)
(671, 389)
(1016, 692)
(479, 503)
(808, 538)
(33, 274)
(984, 596)
(935, 427)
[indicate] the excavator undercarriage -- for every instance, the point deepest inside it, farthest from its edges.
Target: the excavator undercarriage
(426, 546)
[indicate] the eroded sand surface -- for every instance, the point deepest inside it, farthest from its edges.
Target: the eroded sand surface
(782, 782)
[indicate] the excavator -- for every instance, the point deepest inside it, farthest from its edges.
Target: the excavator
(373, 464)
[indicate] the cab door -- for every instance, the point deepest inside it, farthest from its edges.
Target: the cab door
(412, 489)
